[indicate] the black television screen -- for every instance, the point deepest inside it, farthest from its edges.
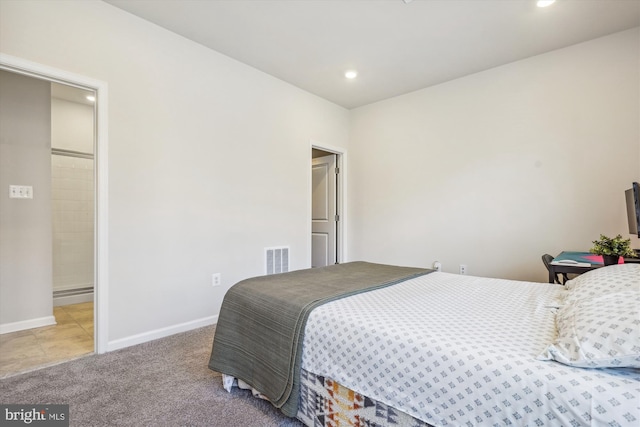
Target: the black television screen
(633, 208)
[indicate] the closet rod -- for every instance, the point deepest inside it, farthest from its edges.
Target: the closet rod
(71, 153)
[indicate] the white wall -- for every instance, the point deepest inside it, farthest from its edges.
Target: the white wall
(208, 158)
(71, 126)
(494, 169)
(25, 224)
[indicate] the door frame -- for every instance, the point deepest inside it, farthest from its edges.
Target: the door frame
(101, 248)
(341, 199)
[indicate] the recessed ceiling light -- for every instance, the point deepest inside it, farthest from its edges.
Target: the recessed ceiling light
(545, 3)
(351, 74)
(91, 98)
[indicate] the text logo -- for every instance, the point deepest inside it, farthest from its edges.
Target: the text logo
(34, 415)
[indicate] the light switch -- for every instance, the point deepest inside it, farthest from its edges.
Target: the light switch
(21, 192)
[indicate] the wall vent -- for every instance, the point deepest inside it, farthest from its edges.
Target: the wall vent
(276, 260)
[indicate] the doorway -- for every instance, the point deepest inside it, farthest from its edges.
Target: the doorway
(48, 136)
(327, 213)
(99, 247)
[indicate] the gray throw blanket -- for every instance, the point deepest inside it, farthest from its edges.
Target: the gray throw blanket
(258, 336)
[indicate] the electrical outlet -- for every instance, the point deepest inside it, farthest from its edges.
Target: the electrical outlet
(437, 266)
(463, 269)
(216, 279)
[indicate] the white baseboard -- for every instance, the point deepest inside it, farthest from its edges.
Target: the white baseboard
(6, 328)
(160, 333)
(58, 289)
(72, 299)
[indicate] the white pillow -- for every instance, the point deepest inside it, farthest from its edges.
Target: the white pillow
(598, 323)
(603, 280)
(598, 332)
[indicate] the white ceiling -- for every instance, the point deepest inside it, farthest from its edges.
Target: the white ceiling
(396, 47)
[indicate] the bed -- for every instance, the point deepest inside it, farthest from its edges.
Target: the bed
(385, 345)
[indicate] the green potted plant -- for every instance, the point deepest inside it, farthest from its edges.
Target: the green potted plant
(612, 249)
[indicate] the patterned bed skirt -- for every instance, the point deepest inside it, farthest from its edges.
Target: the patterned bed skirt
(325, 403)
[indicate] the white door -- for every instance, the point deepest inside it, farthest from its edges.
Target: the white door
(323, 211)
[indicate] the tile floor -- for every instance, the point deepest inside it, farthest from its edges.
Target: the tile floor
(33, 348)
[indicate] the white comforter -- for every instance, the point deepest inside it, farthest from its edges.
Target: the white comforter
(457, 350)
